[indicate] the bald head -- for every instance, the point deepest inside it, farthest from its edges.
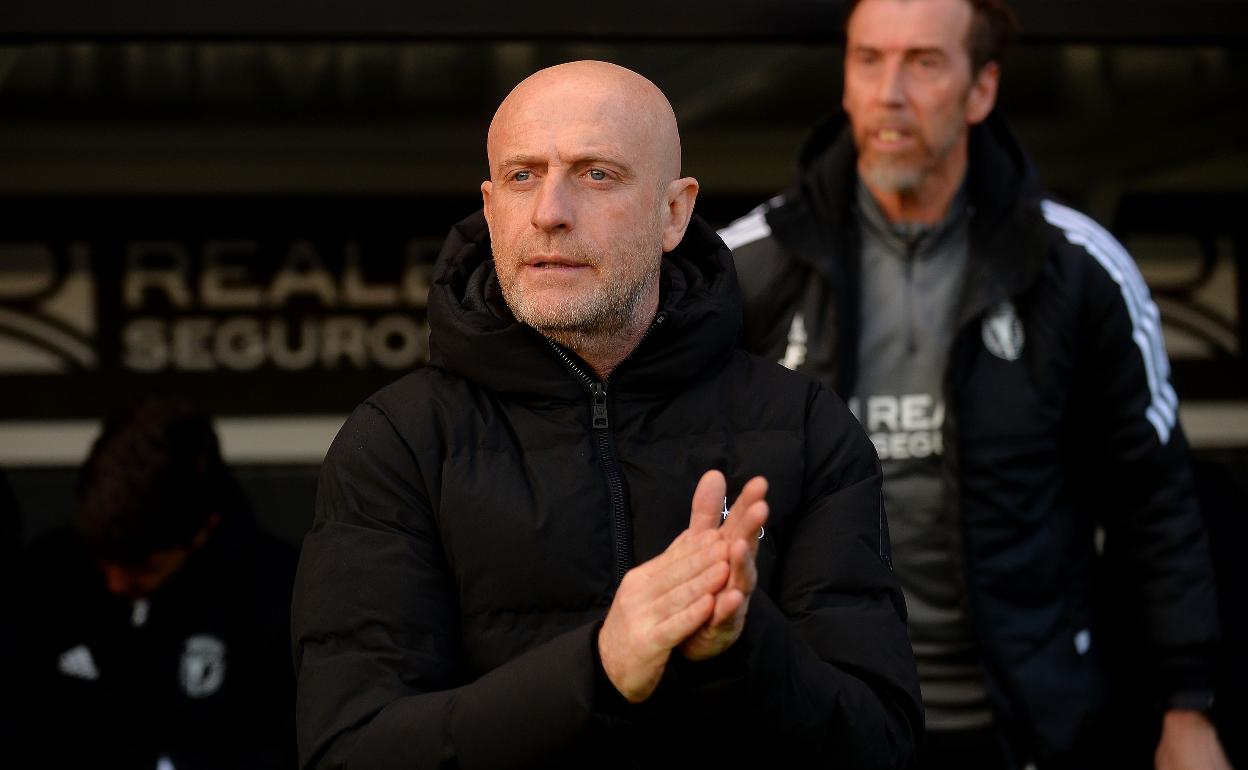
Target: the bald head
(582, 202)
(625, 107)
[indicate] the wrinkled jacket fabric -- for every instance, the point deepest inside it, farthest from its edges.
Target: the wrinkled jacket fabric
(465, 549)
(1077, 430)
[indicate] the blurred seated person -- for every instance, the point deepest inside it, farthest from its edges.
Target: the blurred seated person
(154, 632)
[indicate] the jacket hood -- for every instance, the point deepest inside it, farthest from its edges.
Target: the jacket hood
(474, 335)
(1000, 176)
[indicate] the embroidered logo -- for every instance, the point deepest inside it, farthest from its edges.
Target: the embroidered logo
(203, 665)
(78, 663)
(1003, 332)
(795, 351)
(723, 516)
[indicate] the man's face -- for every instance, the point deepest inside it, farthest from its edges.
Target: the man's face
(575, 206)
(141, 579)
(909, 91)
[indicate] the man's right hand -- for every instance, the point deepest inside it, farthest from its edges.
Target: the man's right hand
(660, 604)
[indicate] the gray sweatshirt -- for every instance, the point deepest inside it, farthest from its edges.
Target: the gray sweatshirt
(911, 278)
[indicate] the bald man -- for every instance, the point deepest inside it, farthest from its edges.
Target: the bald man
(525, 554)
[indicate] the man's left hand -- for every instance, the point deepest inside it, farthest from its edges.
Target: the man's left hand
(740, 530)
(1189, 742)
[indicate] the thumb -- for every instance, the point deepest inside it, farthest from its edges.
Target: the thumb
(708, 502)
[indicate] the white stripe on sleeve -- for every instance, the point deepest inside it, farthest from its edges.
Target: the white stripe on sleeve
(748, 229)
(1083, 231)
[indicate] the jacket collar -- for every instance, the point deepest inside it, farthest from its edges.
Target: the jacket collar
(1009, 240)
(814, 218)
(1002, 186)
(474, 335)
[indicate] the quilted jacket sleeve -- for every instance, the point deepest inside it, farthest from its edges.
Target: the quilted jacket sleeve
(1153, 524)
(376, 640)
(824, 667)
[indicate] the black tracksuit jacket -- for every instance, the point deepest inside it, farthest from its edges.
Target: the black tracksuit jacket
(1079, 430)
(473, 520)
(94, 690)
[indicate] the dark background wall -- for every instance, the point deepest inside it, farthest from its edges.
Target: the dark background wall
(241, 202)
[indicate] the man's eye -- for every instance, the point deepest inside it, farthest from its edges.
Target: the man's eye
(597, 174)
(522, 176)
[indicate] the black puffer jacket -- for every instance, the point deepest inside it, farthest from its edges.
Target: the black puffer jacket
(1060, 417)
(472, 519)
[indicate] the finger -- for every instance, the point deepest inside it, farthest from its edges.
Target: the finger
(754, 491)
(708, 502)
(743, 574)
(680, 626)
(683, 562)
(687, 542)
(727, 602)
(745, 524)
(706, 583)
(742, 578)
(757, 514)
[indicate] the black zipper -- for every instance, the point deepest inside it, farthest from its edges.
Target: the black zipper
(912, 345)
(600, 423)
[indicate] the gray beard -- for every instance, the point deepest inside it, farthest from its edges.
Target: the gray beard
(893, 178)
(612, 314)
(586, 322)
(896, 175)
(580, 330)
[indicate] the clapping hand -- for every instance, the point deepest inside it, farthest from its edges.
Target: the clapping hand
(693, 596)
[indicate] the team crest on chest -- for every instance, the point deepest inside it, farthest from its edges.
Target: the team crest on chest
(1003, 332)
(78, 663)
(203, 665)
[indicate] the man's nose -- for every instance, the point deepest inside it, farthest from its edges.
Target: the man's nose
(891, 85)
(117, 580)
(552, 206)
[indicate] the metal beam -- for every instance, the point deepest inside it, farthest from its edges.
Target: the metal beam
(810, 21)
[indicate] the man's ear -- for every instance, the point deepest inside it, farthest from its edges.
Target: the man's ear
(678, 208)
(983, 94)
(487, 187)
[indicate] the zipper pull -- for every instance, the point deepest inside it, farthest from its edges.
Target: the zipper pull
(600, 406)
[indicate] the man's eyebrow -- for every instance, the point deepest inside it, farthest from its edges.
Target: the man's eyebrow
(926, 50)
(521, 160)
(916, 50)
(600, 156)
(587, 158)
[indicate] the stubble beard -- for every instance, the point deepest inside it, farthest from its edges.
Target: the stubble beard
(588, 320)
(892, 175)
(906, 173)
